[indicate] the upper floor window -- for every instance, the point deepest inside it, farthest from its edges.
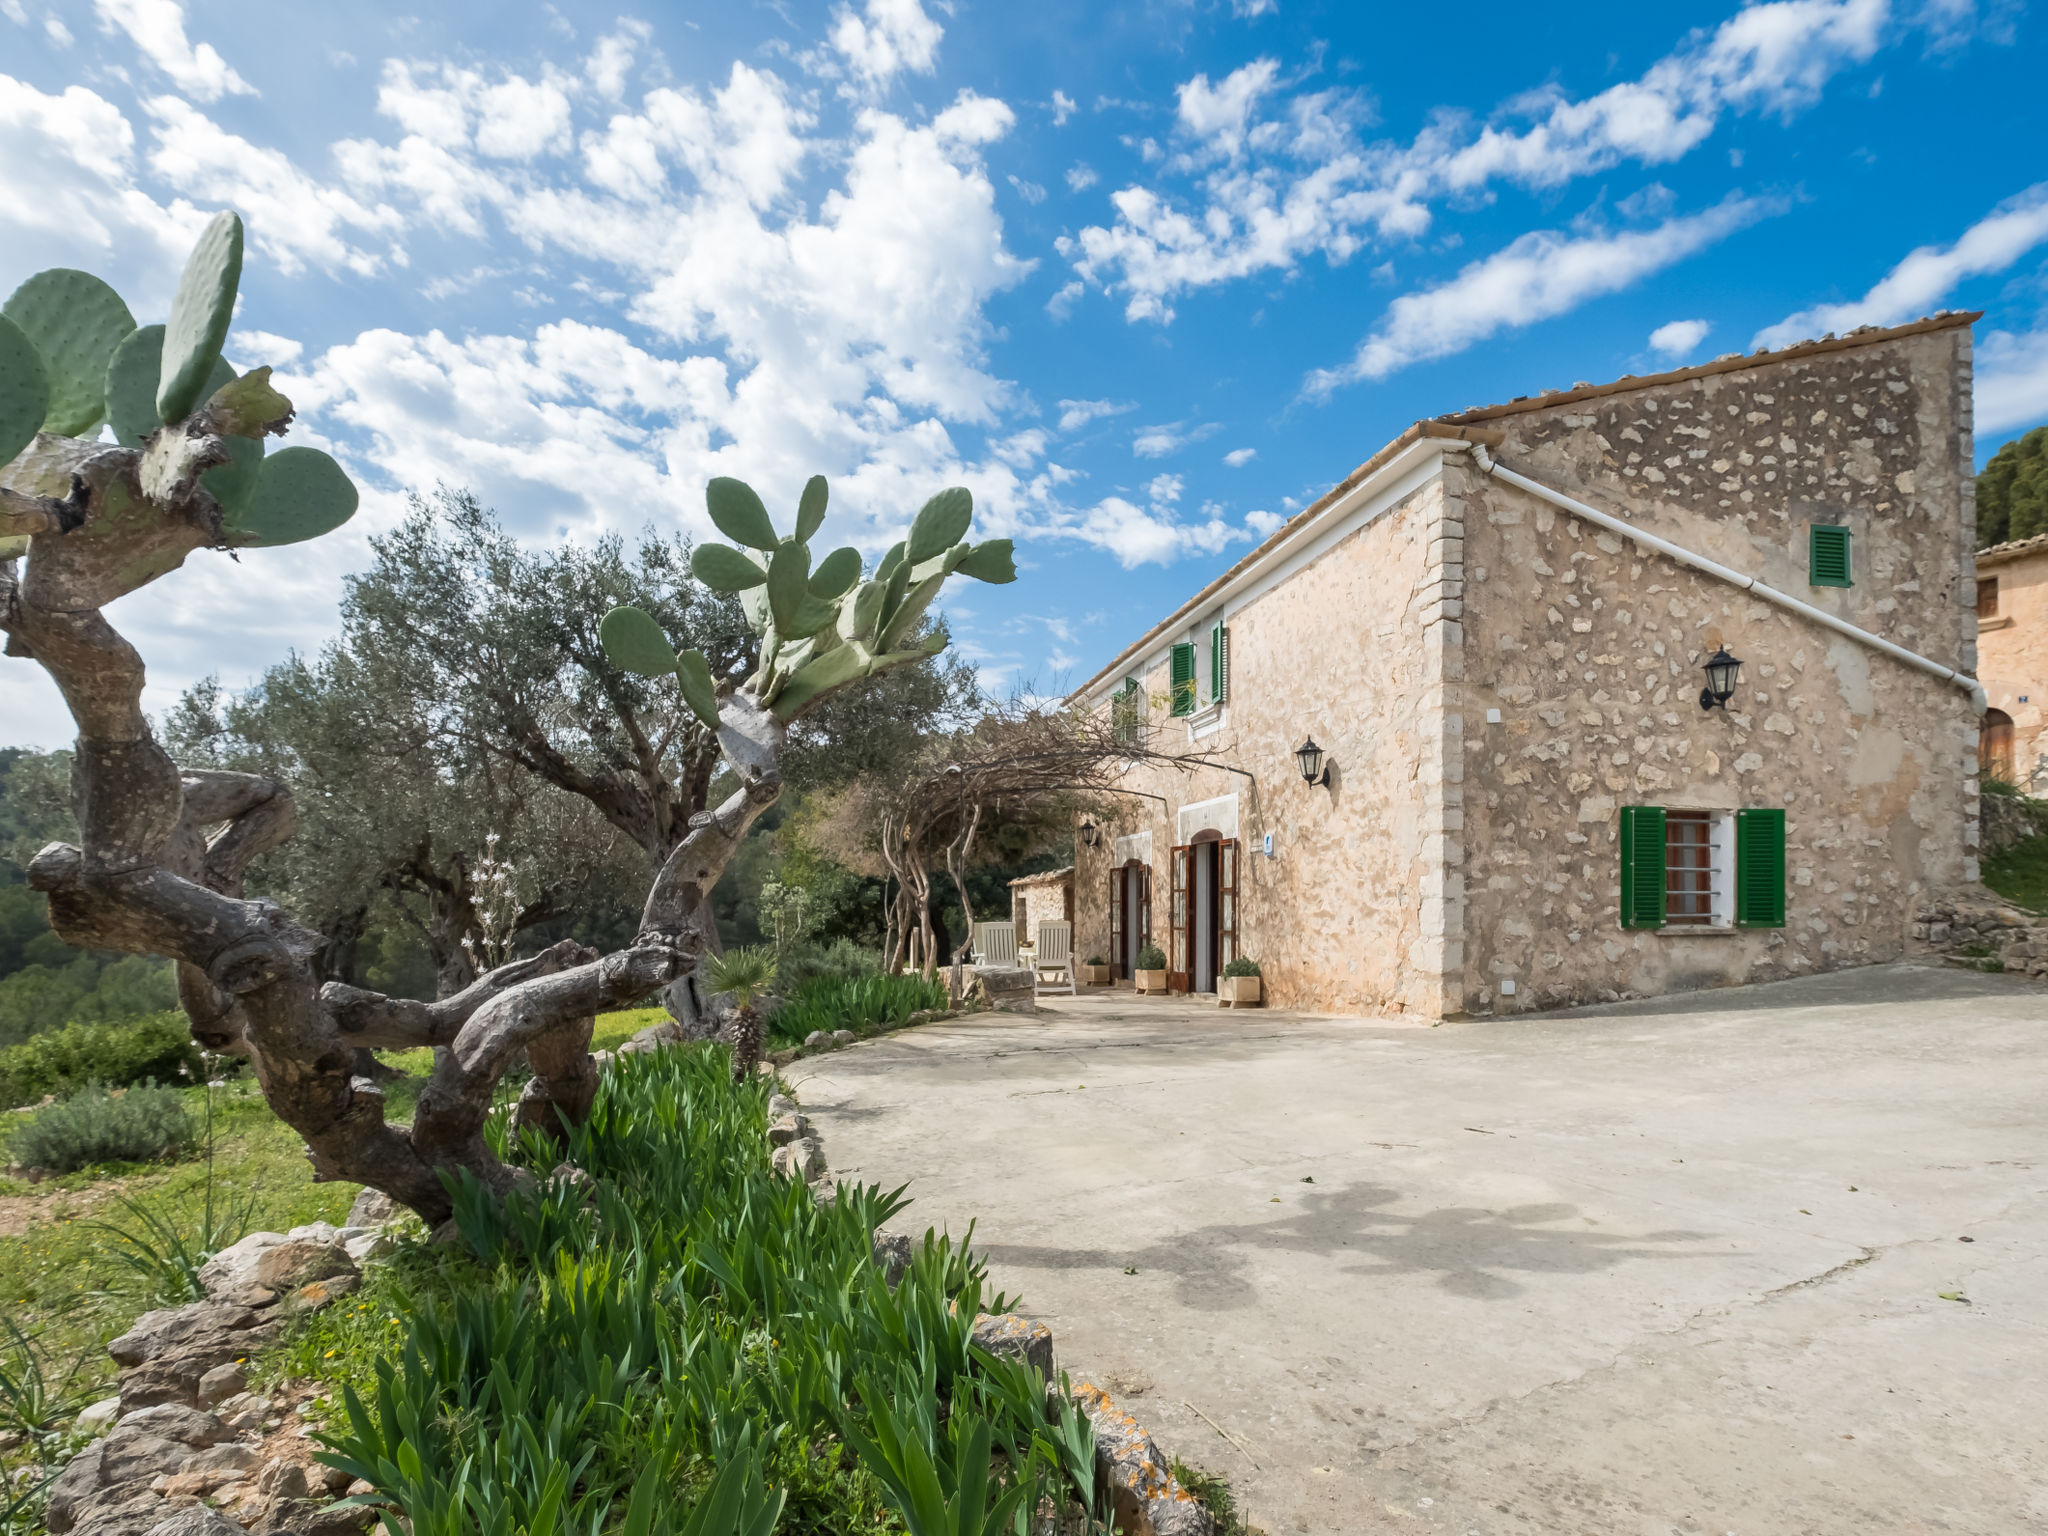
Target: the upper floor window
(1827, 555)
(1987, 597)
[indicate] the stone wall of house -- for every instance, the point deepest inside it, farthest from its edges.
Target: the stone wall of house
(2012, 652)
(1351, 650)
(1041, 899)
(1591, 652)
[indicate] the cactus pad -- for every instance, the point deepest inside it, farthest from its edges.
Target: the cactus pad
(724, 569)
(75, 321)
(699, 692)
(24, 390)
(810, 509)
(233, 483)
(739, 514)
(836, 667)
(940, 524)
(836, 573)
(635, 643)
(131, 385)
(200, 313)
(993, 561)
(300, 494)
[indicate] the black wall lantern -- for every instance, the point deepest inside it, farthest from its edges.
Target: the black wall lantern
(1723, 673)
(1090, 833)
(1310, 757)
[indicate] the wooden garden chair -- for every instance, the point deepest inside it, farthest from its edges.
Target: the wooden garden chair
(1055, 953)
(995, 946)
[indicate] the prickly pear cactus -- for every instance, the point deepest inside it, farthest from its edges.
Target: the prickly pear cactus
(72, 357)
(821, 628)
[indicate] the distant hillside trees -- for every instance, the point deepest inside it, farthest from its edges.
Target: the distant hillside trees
(2012, 492)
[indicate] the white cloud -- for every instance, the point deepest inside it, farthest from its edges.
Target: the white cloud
(1282, 177)
(1539, 275)
(1924, 278)
(1263, 523)
(1247, 9)
(1237, 458)
(1063, 107)
(157, 27)
(1151, 536)
(59, 34)
(1030, 191)
(1081, 177)
(2012, 380)
(894, 35)
(1075, 414)
(1676, 338)
(248, 349)
(1169, 438)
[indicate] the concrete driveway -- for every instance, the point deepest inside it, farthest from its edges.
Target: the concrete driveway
(1658, 1267)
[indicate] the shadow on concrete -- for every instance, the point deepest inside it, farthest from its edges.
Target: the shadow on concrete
(1472, 1251)
(1850, 987)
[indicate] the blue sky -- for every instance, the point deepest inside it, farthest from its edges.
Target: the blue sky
(1148, 277)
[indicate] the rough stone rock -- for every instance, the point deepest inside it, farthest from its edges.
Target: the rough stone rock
(134, 1455)
(79, 1480)
(372, 1209)
(366, 1247)
(195, 1521)
(787, 1129)
(892, 1252)
(279, 1261)
(101, 1413)
(173, 1421)
(130, 1510)
(1020, 1338)
(334, 1481)
(784, 1163)
(315, 1294)
(844, 1037)
(1147, 1499)
(779, 1105)
(807, 1154)
(816, 1038)
(654, 1038)
(1011, 991)
(302, 1517)
(222, 1383)
(255, 1297)
(243, 1412)
(159, 1332)
(282, 1479)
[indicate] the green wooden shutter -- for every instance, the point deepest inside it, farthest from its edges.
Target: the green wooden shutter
(1219, 663)
(1760, 868)
(1184, 679)
(1827, 555)
(1642, 866)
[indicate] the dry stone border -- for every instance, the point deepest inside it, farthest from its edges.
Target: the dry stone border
(1147, 1500)
(1978, 931)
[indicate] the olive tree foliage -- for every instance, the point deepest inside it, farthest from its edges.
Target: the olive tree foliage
(163, 850)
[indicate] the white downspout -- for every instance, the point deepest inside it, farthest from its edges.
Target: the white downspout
(1686, 557)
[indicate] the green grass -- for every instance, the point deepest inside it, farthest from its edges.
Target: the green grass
(2020, 873)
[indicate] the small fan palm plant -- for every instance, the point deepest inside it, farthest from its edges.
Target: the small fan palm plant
(746, 973)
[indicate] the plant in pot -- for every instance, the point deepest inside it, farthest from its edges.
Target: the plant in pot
(1240, 986)
(1152, 969)
(1095, 972)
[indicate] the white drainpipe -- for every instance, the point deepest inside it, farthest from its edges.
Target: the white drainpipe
(1671, 551)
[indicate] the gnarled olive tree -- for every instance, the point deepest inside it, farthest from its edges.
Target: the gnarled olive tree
(162, 852)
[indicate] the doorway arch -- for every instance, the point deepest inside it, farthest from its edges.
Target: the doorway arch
(1995, 746)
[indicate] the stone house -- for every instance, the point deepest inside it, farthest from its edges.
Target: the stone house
(2012, 657)
(1497, 631)
(1041, 898)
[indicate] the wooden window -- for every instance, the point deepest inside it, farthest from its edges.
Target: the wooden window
(1827, 555)
(1226, 903)
(1117, 879)
(1987, 597)
(1760, 868)
(1688, 868)
(1184, 679)
(1180, 956)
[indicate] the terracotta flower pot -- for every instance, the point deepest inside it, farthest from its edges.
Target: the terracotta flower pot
(1152, 981)
(1240, 991)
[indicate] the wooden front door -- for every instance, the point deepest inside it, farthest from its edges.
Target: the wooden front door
(1226, 903)
(1180, 914)
(1118, 878)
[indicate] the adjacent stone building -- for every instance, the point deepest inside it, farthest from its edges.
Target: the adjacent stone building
(2012, 651)
(1042, 898)
(1498, 629)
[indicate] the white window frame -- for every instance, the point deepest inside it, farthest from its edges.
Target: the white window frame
(1720, 874)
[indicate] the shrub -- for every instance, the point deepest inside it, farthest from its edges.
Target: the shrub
(95, 1126)
(841, 960)
(113, 1055)
(869, 1003)
(1151, 958)
(1095, 960)
(1243, 965)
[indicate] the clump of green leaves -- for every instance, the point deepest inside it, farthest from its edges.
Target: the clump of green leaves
(1243, 965)
(114, 1055)
(862, 1004)
(1151, 958)
(95, 1126)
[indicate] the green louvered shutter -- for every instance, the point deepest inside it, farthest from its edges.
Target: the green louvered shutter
(1827, 555)
(1219, 663)
(1642, 866)
(1760, 868)
(1184, 679)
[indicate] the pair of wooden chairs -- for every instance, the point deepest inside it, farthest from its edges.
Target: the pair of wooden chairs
(1052, 959)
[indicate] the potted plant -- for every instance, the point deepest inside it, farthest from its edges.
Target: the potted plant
(1152, 969)
(1240, 985)
(1095, 972)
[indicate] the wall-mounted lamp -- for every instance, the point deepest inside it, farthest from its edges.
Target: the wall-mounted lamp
(1090, 833)
(1723, 673)
(1310, 758)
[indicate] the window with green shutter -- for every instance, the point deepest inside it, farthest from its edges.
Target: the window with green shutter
(1219, 663)
(1126, 711)
(1827, 555)
(1642, 866)
(1760, 868)
(1184, 679)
